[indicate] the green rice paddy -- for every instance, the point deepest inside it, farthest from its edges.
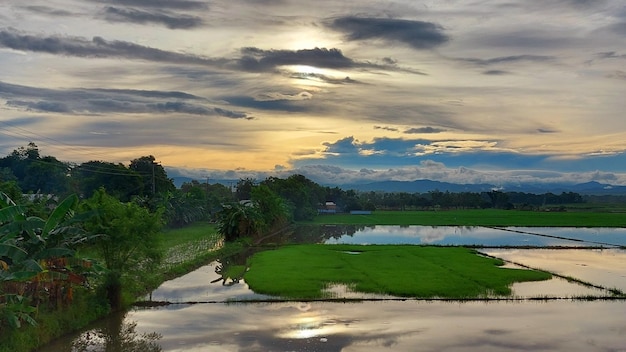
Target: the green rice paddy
(305, 271)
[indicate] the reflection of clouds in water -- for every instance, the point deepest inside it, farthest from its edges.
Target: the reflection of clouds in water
(391, 325)
(604, 267)
(610, 235)
(196, 286)
(382, 234)
(263, 327)
(486, 236)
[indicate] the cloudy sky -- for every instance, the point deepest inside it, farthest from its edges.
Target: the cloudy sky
(463, 91)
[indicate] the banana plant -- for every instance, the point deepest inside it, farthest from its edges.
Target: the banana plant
(35, 255)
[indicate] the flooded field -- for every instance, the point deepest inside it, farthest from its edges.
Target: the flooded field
(475, 235)
(209, 312)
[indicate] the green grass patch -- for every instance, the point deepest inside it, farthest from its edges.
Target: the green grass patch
(479, 217)
(304, 271)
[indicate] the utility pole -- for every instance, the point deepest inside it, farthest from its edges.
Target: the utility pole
(153, 181)
(154, 177)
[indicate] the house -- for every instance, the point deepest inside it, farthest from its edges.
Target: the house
(327, 208)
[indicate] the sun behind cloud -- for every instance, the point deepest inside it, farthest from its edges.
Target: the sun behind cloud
(306, 69)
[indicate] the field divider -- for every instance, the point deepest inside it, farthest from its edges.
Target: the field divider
(552, 236)
(153, 304)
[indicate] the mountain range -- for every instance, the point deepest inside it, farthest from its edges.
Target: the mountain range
(425, 186)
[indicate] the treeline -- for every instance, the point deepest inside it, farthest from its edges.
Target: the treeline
(145, 182)
(463, 200)
(26, 170)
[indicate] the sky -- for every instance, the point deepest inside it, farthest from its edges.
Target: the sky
(340, 91)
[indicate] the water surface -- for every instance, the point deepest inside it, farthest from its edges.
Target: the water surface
(406, 325)
(384, 326)
(468, 235)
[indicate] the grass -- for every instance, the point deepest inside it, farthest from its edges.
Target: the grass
(304, 271)
(479, 217)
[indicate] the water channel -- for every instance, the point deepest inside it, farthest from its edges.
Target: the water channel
(208, 312)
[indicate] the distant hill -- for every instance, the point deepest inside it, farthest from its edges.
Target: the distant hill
(418, 186)
(425, 186)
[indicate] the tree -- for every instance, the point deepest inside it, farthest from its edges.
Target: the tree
(128, 239)
(244, 188)
(262, 215)
(35, 173)
(274, 212)
(184, 208)
(238, 220)
(117, 179)
(301, 194)
(154, 177)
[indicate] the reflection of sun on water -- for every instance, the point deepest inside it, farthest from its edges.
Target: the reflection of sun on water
(308, 326)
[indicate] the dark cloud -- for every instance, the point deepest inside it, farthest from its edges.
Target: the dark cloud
(100, 101)
(170, 20)
(252, 59)
(424, 130)
(95, 48)
(150, 93)
(47, 106)
(526, 39)
(222, 79)
(584, 4)
(49, 11)
(619, 28)
(610, 55)
(14, 90)
(282, 96)
(509, 59)
(496, 73)
(417, 34)
(397, 152)
(257, 60)
(322, 78)
(347, 145)
(160, 4)
(392, 129)
(350, 147)
(232, 114)
(545, 130)
(289, 105)
(617, 75)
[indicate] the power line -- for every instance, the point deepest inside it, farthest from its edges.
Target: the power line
(28, 135)
(88, 168)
